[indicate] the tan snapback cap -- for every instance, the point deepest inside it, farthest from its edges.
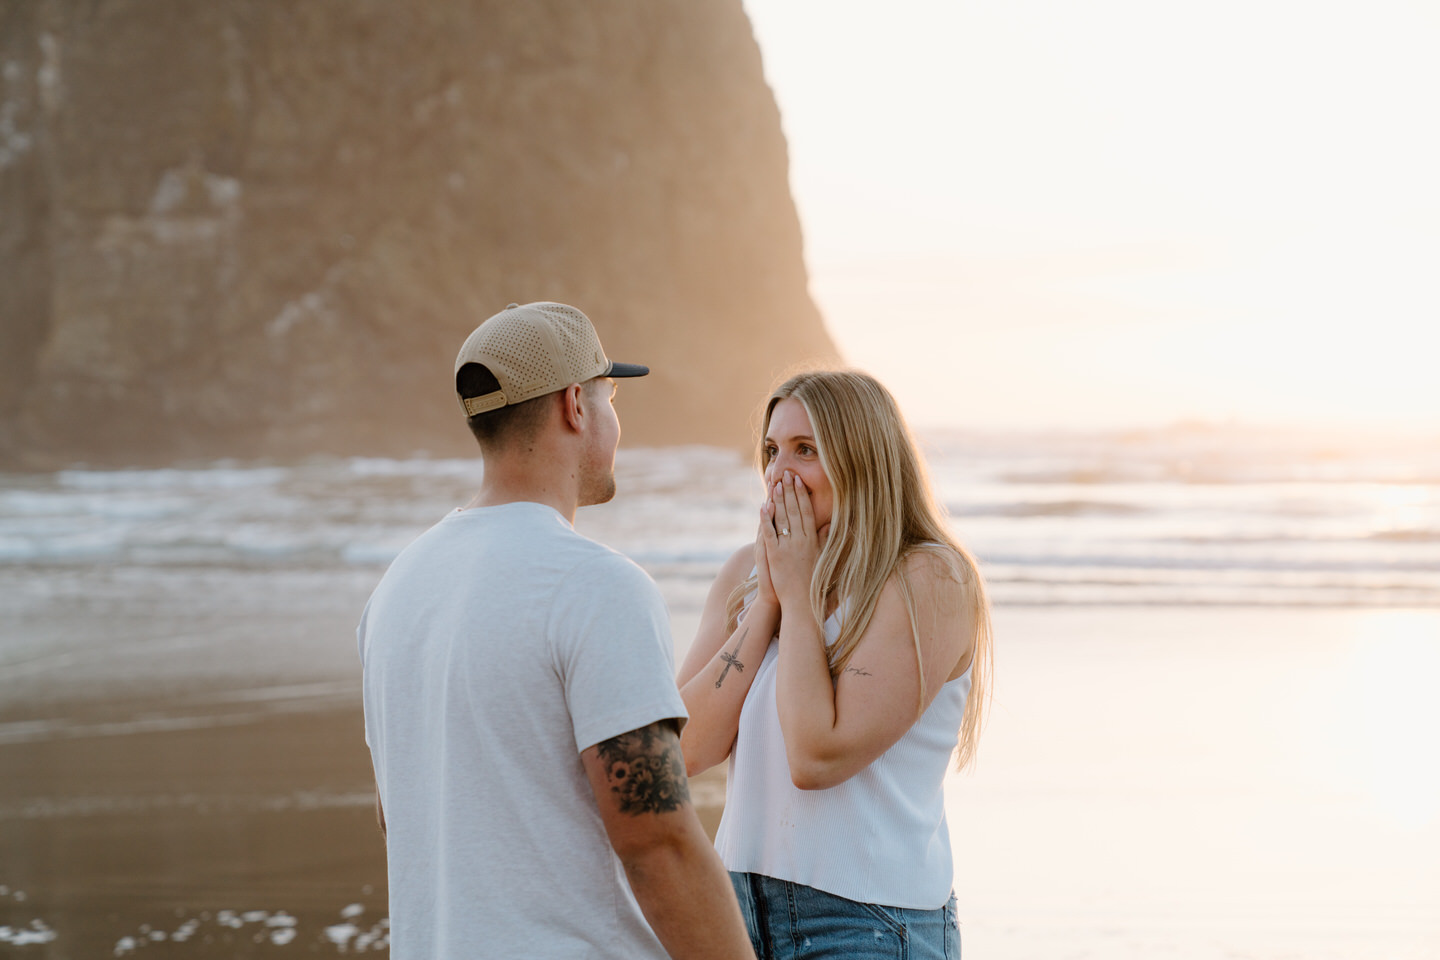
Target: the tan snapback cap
(533, 350)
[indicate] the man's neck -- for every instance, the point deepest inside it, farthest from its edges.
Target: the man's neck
(505, 483)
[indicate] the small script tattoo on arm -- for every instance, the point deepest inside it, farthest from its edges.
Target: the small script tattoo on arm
(646, 770)
(731, 660)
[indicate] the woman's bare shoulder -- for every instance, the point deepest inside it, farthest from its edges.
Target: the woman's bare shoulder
(934, 562)
(936, 572)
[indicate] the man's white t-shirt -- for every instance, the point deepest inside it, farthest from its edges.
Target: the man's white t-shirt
(497, 647)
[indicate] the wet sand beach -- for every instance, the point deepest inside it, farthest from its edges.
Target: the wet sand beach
(1261, 784)
(230, 837)
(133, 835)
(1190, 782)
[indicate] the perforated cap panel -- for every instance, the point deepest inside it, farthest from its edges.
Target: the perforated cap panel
(533, 350)
(579, 344)
(519, 355)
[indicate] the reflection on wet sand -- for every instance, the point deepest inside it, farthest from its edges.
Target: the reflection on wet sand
(233, 840)
(239, 838)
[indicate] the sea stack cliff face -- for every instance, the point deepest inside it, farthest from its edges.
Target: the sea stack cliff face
(238, 228)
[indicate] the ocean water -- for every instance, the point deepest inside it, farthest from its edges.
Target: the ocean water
(1177, 517)
(1214, 732)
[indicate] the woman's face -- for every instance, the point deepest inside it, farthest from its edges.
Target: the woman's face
(790, 445)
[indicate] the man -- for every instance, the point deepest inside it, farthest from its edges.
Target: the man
(520, 703)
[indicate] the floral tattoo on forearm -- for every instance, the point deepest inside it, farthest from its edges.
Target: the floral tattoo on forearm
(646, 770)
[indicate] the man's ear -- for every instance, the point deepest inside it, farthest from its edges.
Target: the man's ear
(573, 406)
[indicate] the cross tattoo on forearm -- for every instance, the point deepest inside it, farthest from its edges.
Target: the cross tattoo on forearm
(731, 660)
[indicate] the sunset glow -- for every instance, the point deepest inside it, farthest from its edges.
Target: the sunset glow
(1040, 213)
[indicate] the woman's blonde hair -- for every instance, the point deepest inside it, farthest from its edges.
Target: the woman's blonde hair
(884, 512)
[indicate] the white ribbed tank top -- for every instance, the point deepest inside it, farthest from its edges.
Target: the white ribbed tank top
(879, 837)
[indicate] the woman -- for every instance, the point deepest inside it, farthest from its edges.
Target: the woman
(839, 660)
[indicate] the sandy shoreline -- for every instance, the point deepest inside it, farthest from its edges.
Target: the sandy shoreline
(106, 830)
(109, 833)
(1185, 782)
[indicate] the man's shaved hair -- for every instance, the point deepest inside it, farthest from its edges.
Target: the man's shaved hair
(513, 423)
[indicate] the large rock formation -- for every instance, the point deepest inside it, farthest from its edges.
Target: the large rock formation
(239, 228)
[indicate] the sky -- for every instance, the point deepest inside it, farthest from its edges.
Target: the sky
(1122, 212)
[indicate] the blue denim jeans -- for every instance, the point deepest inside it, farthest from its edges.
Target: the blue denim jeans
(790, 921)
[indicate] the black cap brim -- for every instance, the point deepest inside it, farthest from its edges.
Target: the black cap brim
(627, 370)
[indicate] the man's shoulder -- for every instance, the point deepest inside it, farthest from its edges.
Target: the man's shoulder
(595, 561)
(533, 542)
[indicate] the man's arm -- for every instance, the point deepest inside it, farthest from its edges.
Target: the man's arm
(682, 887)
